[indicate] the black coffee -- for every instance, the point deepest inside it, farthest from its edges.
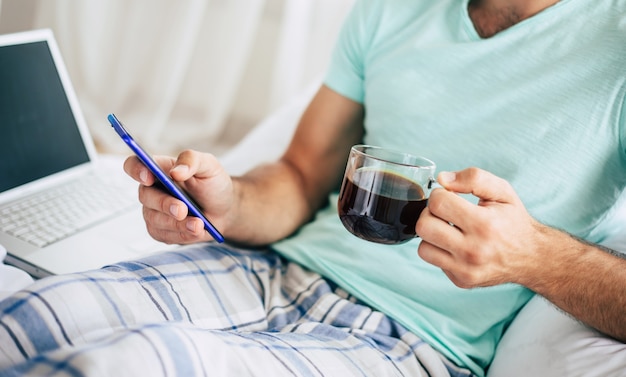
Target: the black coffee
(381, 206)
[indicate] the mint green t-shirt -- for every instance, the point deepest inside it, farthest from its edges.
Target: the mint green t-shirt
(540, 104)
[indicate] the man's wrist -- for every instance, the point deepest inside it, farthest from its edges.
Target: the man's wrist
(552, 255)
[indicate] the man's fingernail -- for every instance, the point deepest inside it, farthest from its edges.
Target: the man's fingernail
(181, 169)
(191, 225)
(174, 210)
(447, 177)
(143, 175)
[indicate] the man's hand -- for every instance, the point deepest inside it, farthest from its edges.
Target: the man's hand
(202, 177)
(497, 241)
(477, 245)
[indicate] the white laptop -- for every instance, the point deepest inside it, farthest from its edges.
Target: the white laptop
(50, 220)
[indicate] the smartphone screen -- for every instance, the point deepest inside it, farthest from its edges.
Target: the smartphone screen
(169, 185)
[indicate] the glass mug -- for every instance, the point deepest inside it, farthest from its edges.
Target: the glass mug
(383, 193)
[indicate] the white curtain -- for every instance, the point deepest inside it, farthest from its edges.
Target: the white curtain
(178, 73)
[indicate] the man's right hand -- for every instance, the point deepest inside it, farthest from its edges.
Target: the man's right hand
(202, 177)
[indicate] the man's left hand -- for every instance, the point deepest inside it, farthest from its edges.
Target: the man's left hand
(480, 244)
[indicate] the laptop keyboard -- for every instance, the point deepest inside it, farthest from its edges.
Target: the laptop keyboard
(62, 211)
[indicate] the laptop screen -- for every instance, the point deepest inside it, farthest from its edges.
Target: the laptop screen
(38, 132)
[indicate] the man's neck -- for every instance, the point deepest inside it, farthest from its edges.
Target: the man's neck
(492, 16)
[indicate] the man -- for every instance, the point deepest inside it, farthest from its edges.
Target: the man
(530, 93)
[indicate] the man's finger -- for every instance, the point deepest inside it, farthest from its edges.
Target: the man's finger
(437, 231)
(480, 183)
(455, 209)
(192, 163)
(435, 255)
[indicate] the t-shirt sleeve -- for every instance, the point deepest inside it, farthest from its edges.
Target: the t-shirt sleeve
(346, 69)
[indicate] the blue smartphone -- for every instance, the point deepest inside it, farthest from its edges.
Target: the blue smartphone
(165, 180)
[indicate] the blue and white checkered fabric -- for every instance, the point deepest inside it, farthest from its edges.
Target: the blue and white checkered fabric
(210, 310)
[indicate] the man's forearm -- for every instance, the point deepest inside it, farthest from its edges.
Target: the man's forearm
(262, 215)
(582, 279)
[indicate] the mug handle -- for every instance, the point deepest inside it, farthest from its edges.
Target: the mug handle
(432, 183)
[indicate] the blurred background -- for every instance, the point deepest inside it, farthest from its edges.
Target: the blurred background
(187, 73)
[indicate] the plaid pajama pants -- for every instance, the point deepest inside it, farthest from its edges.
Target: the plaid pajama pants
(204, 310)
